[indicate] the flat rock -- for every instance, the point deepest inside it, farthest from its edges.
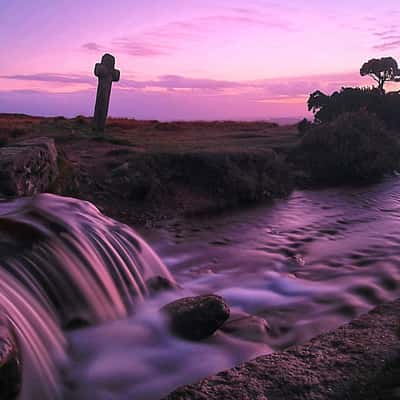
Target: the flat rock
(354, 361)
(28, 167)
(196, 318)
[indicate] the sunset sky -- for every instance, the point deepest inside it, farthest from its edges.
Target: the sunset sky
(189, 59)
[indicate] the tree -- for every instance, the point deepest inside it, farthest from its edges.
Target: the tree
(381, 70)
(355, 146)
(385, 106)
(317, 100)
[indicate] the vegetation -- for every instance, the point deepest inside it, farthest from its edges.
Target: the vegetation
(381, 70)
(190, 167)
(355, 146)
(153, 169)
(385, 106)
(224, 179)
(304, 125)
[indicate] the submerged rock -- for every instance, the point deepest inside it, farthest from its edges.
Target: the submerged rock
(196, 318)
(158, 284)
(247, 327)
(28, 167)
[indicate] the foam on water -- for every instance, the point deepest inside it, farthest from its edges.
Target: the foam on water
(138, 357)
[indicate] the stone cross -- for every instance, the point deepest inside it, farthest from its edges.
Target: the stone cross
(107, 74)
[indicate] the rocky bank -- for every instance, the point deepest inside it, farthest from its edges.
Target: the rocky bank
(360, 360)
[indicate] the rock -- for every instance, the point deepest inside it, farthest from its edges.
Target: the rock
(10, 379)
(28, 167)
(359, 360)
(196, 318)
(247, 327)
(158, 284)
(10, 367)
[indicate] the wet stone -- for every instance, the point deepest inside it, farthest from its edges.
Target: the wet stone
(196, 318)
(247, 327)
(10, 368)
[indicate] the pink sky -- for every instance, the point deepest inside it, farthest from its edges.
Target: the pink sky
(189, 59)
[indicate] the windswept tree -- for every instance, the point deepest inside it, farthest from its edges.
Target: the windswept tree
(381, 70)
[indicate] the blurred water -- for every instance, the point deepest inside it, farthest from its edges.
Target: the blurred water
(307, 264)
(63, 264)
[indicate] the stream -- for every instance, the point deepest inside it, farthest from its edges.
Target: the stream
(306, 264)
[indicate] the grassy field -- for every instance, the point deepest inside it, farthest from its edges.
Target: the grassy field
(156, 136)
(154, 169)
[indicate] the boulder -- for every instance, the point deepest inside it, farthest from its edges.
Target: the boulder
(196, 318)
(28, 167)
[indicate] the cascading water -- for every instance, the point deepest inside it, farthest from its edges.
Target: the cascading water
(63, 262)
(41, 343)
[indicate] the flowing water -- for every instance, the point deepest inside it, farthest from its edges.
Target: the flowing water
(64, 264)
(307, 264)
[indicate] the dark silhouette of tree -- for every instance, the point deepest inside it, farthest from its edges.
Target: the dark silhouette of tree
(355, 146)
(381, 70)
(304, 125)
(317, 100)
(385, 106)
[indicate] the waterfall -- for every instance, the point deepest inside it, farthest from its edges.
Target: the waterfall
(63, 262)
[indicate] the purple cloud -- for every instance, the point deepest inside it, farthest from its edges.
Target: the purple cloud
(297, 86)
(260, 20)
(390, 45)
(181, 82)
(51, 77)
(138, 49)
(149, 105)
(385, 33)
(165, 82)
(389, 38)
(170, 37)
(204, 99)
(93, 47)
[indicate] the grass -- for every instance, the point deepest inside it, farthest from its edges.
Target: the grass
(189, 167)
(186, 167)
(174, 137)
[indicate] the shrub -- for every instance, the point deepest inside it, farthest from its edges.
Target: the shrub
(81, 120)
(353, 147)
(304, 125)
(227, 178)
(386, 106)
(17, 132)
